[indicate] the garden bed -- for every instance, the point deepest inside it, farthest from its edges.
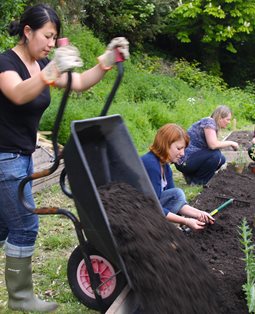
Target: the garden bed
(219, 245)
(243, 138)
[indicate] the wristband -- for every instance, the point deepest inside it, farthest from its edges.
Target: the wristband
(47, 82)
(103, 67)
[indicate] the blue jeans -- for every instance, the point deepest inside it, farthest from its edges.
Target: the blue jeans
(18, 226)
(172, 200)
(200, 167)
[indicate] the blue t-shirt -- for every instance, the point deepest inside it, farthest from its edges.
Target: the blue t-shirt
(197, 137)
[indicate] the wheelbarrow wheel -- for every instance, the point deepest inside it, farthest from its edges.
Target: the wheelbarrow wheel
(79, 280)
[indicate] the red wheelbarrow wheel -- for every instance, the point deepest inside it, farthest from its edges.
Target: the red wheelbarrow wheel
(79, 280)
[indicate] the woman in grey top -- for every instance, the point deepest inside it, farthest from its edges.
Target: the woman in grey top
(203, 156)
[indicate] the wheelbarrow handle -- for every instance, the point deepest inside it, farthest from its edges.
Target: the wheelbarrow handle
(119, 63)
(118, 56)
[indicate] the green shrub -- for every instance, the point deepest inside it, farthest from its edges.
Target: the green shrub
(242, 104)
(190, 73)
(77, 108)
(89, 46)
(10, 10)
(137, 122)
(157, 113)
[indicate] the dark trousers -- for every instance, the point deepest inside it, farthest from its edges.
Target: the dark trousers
(201, 166)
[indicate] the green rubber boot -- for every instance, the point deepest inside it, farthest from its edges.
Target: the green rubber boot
(18, 277)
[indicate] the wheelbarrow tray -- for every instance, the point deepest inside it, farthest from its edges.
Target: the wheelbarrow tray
(99, 151)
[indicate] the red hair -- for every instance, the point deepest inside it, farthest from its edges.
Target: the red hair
(166, 135)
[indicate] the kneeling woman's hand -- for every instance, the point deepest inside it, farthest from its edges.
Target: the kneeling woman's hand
(205, 217)
(195, 224)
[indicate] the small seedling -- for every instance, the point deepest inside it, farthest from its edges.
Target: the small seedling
(240, 156)
(239, 161)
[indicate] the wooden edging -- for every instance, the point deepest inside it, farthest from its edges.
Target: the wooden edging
(43, 159)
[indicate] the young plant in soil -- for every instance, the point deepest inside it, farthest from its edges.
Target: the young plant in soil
(240, 161)
(248, 249)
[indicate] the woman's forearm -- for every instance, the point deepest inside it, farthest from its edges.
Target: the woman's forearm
(190, 211)
(176, 218)
(83, 81)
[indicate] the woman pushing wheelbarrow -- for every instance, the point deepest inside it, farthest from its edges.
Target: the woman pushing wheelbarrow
(25, 76)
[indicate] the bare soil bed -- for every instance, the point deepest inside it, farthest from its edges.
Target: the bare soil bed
(219, 245)
(243, 138)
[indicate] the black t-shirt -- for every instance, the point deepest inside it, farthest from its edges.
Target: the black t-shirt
(19, 123)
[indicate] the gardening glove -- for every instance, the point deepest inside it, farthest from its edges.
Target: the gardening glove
(65, 59)
(108, 59)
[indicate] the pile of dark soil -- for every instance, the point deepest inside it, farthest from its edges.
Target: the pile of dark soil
(167, 276)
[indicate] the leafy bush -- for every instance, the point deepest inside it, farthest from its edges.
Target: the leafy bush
(242, 104)
(10, 10)
(190, 73)
(68, 11)
(89, 46)
(139, 21)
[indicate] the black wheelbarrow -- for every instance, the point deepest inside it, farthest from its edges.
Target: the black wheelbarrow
(99, 151)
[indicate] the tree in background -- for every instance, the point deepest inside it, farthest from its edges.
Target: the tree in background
(10, 10)
(213, 24)
(69, 11)
(218, 34)
(139, 21)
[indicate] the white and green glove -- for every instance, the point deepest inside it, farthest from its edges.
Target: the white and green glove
(65, 59)
(108, 59)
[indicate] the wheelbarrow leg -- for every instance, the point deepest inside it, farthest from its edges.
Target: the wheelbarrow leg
(94, 277)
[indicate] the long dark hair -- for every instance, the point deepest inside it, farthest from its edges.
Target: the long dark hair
(35, 17)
